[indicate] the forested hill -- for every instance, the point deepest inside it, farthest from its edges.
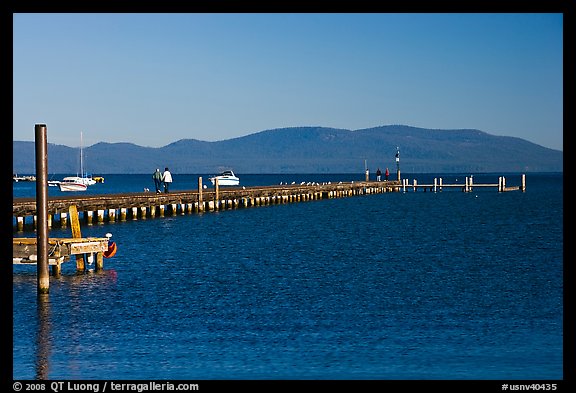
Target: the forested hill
(308, 150)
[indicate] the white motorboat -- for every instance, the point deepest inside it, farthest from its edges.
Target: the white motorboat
(226, 178)
(71, 185)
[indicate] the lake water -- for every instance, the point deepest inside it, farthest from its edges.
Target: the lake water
(394, 286)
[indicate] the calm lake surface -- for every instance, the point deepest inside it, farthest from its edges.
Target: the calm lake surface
(394, 286)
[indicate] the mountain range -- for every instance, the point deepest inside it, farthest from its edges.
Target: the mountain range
(308, 150)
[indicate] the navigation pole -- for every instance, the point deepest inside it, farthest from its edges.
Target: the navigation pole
(398, 162)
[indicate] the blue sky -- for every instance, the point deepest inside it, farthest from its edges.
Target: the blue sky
(152, 79)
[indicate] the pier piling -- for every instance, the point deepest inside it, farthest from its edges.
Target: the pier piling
(43, 276)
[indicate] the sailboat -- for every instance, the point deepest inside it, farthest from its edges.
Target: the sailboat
(69, 184)
(77, 183)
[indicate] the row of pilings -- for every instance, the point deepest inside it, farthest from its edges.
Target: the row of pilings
(111, 208)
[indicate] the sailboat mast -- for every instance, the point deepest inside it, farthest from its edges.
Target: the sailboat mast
(81, 158)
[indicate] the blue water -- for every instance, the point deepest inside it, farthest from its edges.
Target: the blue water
(394, 286)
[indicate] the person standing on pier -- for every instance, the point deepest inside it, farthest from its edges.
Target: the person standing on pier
(378, 174)
(167, 179)
(157, 176)
(386, 174)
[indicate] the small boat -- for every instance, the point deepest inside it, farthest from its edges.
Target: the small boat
(85, 179)
(226, 178)
(70, 181)
(17, 178)
(71, 185)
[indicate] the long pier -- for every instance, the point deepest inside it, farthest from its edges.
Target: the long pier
(121, 207)
(141, 205)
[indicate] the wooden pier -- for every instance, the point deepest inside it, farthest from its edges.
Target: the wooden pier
(132, 206)
(99, 209)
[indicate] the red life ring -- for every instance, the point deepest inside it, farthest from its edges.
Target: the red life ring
(111, 250)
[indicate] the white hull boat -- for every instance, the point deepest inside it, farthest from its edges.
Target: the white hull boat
(71, 185)
(226, 178)
(78, 182)
(86, 179)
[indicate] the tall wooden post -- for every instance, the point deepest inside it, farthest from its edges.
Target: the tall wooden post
(43, 275)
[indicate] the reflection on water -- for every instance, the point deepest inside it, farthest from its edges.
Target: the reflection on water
(43, 339)
(79, 284)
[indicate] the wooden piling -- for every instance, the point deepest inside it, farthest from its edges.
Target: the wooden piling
(99, 261)
(523, 186)
(76, 234)
(41, 150)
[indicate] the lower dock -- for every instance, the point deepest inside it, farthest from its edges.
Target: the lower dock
(60, 250)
